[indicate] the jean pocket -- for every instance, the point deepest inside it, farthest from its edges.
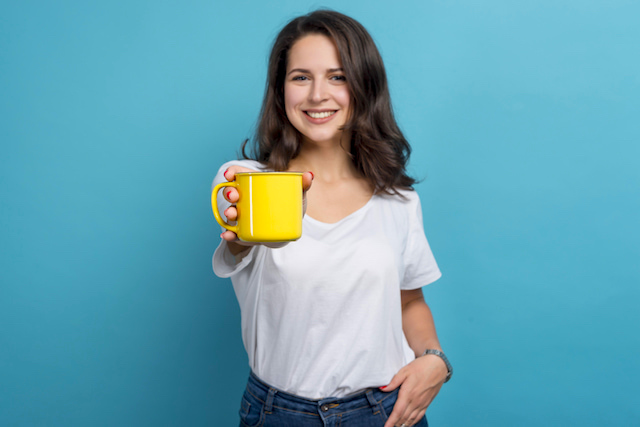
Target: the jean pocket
(250, 411)
(388, 403)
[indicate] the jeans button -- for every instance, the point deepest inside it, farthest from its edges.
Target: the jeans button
(324, 407)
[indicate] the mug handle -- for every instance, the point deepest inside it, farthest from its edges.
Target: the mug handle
(214, 206)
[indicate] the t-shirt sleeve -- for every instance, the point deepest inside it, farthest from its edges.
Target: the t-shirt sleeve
(223, 261)
(421, 268)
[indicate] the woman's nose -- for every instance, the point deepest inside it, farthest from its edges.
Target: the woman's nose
(318, 91)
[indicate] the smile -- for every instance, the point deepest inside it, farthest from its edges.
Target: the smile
(320, 115)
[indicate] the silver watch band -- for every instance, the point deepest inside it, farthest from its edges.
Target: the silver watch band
(444, 359)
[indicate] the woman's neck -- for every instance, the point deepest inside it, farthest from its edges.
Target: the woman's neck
(332, 161)
(338, 188)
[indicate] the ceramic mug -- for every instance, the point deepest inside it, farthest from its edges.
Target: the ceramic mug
(269, 208)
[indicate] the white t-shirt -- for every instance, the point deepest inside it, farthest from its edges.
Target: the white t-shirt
(321, 317)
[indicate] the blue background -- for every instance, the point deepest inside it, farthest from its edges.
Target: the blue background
(115, 116)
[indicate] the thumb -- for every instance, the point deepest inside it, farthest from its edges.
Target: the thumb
(395, 382)
(307, 179)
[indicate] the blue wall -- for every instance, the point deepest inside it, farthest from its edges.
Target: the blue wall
(114, 118)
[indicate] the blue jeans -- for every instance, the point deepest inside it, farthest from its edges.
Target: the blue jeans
(265, 406)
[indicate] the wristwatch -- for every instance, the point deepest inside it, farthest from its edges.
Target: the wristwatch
(444, 359)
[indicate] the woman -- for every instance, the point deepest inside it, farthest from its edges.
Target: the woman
(335, 324)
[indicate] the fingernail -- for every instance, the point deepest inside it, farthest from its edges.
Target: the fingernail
(228, 192)
(383, 387)
(312, 175)
(225, 173)
(221, 235)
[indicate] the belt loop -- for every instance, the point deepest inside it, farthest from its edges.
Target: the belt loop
(372, 400)
(269, 403)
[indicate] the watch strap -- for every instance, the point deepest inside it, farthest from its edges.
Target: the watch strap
(444, 359)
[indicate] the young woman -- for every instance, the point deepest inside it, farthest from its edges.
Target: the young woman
(335, 324)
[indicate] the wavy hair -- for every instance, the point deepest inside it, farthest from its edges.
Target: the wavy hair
(379, 150)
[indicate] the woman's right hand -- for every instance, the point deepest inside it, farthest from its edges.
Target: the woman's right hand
(232, 196)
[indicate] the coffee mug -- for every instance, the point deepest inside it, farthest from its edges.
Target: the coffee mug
(269, 208)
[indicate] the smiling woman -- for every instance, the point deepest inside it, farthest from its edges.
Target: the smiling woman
(316, 92)
(379, 149)
(334, 324)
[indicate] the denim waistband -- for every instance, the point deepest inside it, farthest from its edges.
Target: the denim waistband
(273, 397)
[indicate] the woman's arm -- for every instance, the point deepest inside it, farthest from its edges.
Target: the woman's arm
(417, 322)
(420, 380)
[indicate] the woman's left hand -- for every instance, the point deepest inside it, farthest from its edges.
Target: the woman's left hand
(419, 383)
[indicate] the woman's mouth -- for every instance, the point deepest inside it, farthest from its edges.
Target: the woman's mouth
(320, 114)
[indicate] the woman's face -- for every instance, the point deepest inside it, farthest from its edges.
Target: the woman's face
(316, 95)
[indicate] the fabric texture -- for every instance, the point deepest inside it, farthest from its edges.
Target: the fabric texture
(265, 406)
(322, 316)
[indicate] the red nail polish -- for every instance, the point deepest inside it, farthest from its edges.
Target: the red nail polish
(228, 192)
(312, 175)
(383, 387)
(225, 174)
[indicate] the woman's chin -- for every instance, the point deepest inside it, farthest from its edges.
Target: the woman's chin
(323, 138)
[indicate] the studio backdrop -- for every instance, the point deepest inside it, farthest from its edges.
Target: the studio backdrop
(114, 119)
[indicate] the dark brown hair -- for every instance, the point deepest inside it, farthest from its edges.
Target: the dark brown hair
(378, 148)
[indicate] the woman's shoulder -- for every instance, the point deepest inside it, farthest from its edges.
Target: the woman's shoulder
(405, 203)
(402, 196)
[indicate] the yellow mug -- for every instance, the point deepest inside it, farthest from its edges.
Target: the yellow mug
(269, 208)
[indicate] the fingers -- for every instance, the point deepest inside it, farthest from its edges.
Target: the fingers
(416, 416)
(230, 173)
(401, 403)
(229, 236)
(231, 213)
(410, 406)
(232, 238)
(231, 194)
(412, 419)
(396, 381)
(397, 415)
(404, 412)
(307, 180)
(413, 397)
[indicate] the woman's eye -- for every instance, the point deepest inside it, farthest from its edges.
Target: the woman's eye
(339, 78)
(299, 78)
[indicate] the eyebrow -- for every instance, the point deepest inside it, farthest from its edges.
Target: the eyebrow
(302, 70)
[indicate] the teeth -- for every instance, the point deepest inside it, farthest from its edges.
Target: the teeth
(320, 115)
